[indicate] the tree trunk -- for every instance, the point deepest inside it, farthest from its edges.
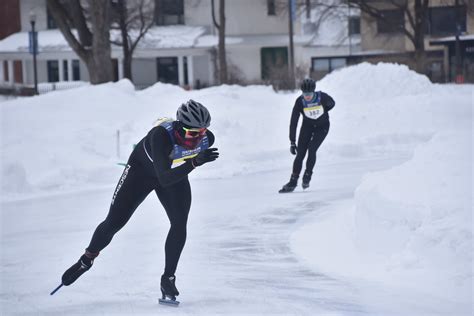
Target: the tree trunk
(101, 50)
(419, 36)
(92, 46)
(127, 66)
(127, 54)
(222, 54)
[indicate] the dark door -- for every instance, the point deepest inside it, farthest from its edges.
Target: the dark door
(274, 62)
(167, 68)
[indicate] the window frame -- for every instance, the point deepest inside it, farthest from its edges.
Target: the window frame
(388, 27)
(351, 25)
(53, 70)
(165, 16)
(271, 8)
(330, 60)
(429, 29)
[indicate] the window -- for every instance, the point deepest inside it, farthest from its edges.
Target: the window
(167, 68)
(51, 23)
(393, 21)
(169, 12)
(321, 65)
(336, 63)
(76, 73)
(271, 9)
(443, 20)
(53, 71)
(354, 25)
(327, 65)
(274, 62)
(65, 71)
(76, 70)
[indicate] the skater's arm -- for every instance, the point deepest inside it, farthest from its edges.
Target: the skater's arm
(295, 115)
(160, 149)
(327, 101)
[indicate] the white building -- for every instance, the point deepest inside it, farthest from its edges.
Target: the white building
(181, 48)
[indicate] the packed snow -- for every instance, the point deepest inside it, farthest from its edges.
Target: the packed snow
(386, 227)
(158, 37)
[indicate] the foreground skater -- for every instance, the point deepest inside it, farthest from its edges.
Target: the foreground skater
(160, 162)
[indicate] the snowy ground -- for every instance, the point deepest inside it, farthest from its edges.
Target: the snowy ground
(385, 229)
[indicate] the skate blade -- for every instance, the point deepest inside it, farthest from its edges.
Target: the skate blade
(168, 302)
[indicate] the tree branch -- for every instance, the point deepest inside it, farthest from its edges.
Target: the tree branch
(214, 15)
(79, 23)
(59, 14)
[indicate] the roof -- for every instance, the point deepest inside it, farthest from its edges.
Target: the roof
(254, 40)
(450, 39)
(158, 37)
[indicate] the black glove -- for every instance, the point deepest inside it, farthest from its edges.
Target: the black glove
(207, 155)
(293, 148)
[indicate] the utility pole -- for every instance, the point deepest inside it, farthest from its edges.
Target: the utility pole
(292, 58)
(34, 43)
(459, 75)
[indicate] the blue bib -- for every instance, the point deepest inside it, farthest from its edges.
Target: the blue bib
(313, 109)
(179, 153)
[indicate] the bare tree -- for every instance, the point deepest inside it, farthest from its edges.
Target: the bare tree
(221, 46)
(92, 44)
(134, 19)
(414, 30)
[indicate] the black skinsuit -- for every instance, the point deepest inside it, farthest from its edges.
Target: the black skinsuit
(147, 171)
(312, 132)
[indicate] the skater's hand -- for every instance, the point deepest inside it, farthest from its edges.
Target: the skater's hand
(293, 148)
(205, 156)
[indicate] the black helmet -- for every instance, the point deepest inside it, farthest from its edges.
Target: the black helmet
(308, 85)
(193, 114)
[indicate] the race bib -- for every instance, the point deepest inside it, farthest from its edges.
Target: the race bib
(313, 112)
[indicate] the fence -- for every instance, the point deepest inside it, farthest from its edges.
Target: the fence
(46, 87)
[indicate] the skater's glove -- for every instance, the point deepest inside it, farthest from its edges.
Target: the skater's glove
(205, 156)
(293, 148)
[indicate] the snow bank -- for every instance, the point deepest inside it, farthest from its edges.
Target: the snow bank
(365, 83)
(65, 139)
(418, 217)
(409, 226)
(68, 139)
(387, 107)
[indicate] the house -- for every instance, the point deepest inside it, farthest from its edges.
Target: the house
(181, 48)
(384, 42)
(170, 52)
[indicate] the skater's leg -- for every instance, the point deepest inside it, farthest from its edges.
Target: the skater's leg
(133, 187)
(318, 137)
(177, 201)
(303, 142)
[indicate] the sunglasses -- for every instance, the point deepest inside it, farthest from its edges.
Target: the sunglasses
(194, 132)
(308, 94)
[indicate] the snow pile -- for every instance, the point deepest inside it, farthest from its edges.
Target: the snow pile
(47, 40)
(418, 217)
(386, 107)
(366, 82)
(71, 136)
(409, 226)
(176, 36)
(68, 139)
(63, 139)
